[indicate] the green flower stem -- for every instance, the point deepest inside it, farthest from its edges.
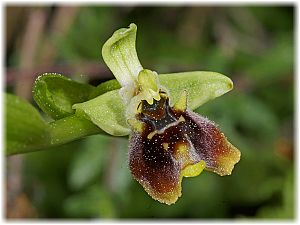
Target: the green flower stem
(71, 128)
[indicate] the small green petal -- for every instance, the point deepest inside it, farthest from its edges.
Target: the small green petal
(181, 103)
(120, 55)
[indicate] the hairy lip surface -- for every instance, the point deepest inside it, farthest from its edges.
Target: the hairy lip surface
(171, 141)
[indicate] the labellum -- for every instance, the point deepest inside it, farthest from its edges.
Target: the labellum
(169, 143)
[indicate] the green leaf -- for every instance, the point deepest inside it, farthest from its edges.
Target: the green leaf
(120, 55)
(201, 86)
(25, 128)
(106, 111)
(55, 94)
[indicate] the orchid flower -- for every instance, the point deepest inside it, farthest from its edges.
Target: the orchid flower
(167, 140)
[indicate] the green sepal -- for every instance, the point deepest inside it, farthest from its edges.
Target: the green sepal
(119, 54)
(201, 86)
(55, 94)
(107, 111)
(25, 128)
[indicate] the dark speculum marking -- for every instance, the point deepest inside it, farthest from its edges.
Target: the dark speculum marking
(158, 116)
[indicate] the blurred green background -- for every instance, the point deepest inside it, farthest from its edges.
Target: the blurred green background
(90, 178)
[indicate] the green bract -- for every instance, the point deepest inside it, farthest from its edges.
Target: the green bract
(55, 94)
